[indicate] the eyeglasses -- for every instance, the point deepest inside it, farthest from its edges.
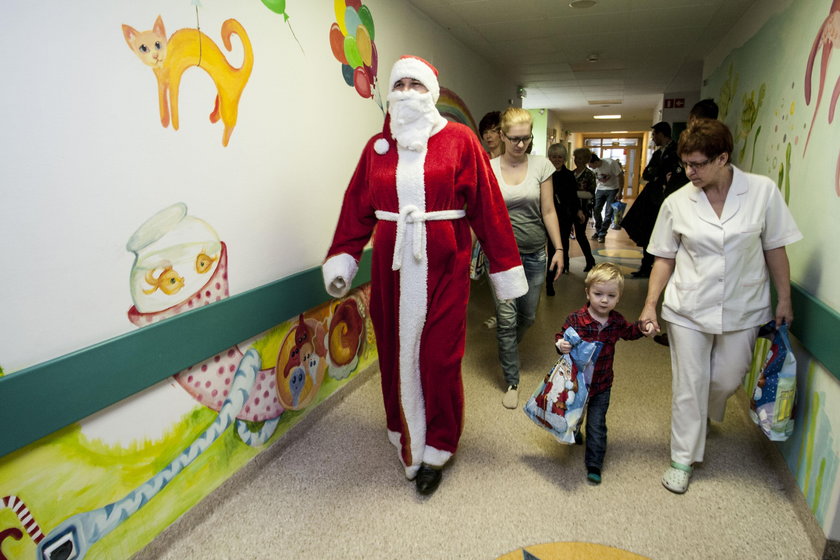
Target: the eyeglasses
(697, 164)
(515, 140)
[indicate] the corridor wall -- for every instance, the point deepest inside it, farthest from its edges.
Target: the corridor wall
(146, 208)
(773, 90)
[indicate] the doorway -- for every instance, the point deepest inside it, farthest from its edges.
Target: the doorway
(626, 148)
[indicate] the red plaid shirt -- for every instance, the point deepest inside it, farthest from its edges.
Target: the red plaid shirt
(591, 330)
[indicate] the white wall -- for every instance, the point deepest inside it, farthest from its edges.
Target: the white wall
(84, 160)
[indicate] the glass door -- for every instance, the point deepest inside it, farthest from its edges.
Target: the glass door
(624, 148)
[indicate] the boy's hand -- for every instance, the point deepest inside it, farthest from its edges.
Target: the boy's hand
(563, 345)
(648, 328)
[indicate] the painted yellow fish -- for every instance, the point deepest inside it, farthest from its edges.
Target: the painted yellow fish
(204, 262)
(169, 281)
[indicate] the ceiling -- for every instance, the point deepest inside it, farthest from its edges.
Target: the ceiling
(644, 48)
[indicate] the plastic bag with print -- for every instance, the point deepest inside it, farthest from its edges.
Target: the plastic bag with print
(774, 389)
(559, 402)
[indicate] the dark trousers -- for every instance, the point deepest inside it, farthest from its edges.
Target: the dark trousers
(647, 262)
(580, 236)
(596, 429)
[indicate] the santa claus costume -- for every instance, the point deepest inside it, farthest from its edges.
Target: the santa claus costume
(418, 188)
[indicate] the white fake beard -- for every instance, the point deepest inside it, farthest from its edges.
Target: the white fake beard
(413, 117)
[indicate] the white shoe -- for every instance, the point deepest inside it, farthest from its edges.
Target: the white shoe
(676, 478)
(491, 322)
(511, 398)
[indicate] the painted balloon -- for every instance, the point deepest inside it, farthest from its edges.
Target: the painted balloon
(276, 6)
(367, 20)
(361, 81)
(351, 21)
(363, 43)
(354, 4)
(347, 73)
(351, 51)
(374, 58)
(340, 7)
(337, 43)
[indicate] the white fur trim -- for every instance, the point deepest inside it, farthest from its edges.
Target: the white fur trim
(435, 457)
(413, 305)
(339, 271)
(381, 146)
(411, 470)
(413, 67)
(510, 283)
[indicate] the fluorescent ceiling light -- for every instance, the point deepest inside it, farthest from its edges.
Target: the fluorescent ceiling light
(619, 131)
(582, 3)
(607, 117)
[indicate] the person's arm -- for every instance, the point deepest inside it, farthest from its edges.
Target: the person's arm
(552, 225)
(560, 343)
(779, 266)
(660, 274)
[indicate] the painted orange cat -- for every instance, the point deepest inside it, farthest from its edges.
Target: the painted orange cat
(190, 47)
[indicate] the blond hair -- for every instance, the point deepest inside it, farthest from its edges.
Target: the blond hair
(605, 272)
(513, 116)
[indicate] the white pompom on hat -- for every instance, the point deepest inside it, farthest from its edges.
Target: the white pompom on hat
(410, 66)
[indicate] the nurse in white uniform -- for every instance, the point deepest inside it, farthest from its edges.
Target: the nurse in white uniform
(717, 243)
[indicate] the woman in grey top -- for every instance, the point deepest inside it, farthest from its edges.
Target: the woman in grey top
(525, 182)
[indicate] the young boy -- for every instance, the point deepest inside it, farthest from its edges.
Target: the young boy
(596, 321)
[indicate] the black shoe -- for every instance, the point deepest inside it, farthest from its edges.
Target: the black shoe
(661, 339)
(588, 267)
(428, 479)
(640, 274)
(549, 291)
(595, 236)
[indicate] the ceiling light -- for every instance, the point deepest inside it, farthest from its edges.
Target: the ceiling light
(582, 3)
(607, 117)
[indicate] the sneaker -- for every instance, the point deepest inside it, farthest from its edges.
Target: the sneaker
(601, 239)
(595, 236)
(571, 236)
(593, 475)
(491, 322)
(511, 398)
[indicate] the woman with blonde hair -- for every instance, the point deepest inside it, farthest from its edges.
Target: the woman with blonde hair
(525, 182)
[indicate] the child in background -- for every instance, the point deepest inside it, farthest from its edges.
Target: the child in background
(597, 321)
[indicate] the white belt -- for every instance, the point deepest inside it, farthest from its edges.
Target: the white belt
(413, 215)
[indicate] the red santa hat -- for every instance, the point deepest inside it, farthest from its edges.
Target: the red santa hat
(414, 67)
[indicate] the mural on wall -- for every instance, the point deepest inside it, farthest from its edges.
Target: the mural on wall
(352, 42)
(180, 263)
(770, 130)
(169, 58)
(827, 39)
(453, 108)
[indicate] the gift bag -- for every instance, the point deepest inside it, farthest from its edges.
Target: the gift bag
(558, 403)
(618, 213)
(774, 389)
(478, 262)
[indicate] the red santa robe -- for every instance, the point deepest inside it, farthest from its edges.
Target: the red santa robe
(420, 207)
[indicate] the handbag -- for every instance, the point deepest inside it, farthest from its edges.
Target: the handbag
(559, 402)
(478, 262)
(618, 213)
(772, 400)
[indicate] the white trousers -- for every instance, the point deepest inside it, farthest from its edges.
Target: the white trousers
(706, 370)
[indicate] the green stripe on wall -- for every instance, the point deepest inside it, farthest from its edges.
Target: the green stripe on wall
(817, 326)
(37, 401)
(77, 385)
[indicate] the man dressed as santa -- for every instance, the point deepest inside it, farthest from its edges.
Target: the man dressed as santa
(422, 184)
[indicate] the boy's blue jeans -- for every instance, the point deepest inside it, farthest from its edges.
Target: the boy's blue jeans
(596, 429)
(514, 317)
